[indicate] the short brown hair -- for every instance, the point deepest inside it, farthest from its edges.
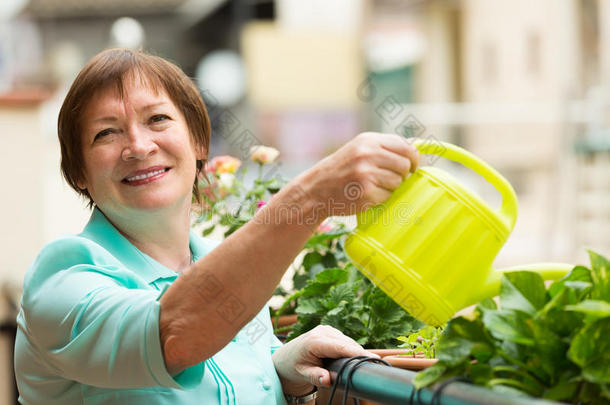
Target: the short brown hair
(108, 68)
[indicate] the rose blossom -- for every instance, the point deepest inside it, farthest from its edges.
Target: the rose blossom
(223, 164)
(263, 154)
(226, 181)
(325, 227)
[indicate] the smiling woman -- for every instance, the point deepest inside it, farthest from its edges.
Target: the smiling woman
(110, 76)
(137, 151)
(137, 309)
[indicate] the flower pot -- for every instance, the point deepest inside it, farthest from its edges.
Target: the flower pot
(284, 320)
(409, 363)
(388, 352)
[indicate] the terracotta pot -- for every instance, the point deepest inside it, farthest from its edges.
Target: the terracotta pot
(389, 352)
(409, 363)
(284, 320)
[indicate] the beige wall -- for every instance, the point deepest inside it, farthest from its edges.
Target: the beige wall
(526, 52)
(499, 44)
(302, 69)
(35, 206)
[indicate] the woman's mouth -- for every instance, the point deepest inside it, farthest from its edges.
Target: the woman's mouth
(145, 176)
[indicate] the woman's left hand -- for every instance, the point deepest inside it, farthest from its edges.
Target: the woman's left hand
(299, 362)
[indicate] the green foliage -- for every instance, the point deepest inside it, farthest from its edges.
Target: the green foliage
(346, 300)
(552, 343)
(231, 207)
(422, 342)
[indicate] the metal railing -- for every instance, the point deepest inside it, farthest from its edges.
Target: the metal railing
(394, 386)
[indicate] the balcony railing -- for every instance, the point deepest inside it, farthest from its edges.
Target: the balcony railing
(393, 386)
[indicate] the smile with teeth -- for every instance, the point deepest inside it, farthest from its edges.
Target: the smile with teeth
(145, 175)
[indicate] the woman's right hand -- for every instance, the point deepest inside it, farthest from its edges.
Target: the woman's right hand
(362, 173)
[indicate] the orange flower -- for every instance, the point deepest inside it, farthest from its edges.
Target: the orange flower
(223, 164)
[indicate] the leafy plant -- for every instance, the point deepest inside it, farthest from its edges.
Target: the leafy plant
(227, 200)
(323, 250)
(552, 343)
(346, 300)
(422, 343)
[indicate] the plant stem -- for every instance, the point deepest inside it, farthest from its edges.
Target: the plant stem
(520, 364)
(512, 383)
(515, 371)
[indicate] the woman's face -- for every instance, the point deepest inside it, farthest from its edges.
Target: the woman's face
(137, 151)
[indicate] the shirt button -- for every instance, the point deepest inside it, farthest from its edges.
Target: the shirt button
(266, 384)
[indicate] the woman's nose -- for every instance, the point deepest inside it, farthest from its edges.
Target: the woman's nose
(140, 144)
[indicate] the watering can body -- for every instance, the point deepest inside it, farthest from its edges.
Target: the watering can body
(432, 244)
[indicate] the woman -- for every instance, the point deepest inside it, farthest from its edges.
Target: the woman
(137, 309)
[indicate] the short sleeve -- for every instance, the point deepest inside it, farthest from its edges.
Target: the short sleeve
(97, 324)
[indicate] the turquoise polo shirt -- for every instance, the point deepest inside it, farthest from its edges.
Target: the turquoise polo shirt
(88, 331)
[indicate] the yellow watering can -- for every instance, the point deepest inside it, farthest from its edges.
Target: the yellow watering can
(431, 245)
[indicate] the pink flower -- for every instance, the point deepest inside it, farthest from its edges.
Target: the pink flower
(261, 204)
(223, 164)
(325, 227)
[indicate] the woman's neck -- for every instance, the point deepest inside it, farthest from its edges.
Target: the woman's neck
(162, 235)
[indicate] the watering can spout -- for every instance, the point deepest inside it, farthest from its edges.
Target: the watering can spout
(491, 287)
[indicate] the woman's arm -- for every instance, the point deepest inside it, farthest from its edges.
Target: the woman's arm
(211, 301)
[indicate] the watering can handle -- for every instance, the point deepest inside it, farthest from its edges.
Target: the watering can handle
(508, 210)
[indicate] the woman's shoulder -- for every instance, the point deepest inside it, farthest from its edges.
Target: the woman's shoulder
(63, 253)
(69, 249)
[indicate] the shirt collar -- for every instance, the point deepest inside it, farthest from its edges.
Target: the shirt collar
(100, 230)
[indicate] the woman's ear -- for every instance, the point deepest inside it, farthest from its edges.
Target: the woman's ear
(81, 183)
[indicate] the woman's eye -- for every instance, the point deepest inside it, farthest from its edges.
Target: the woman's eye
(158, 118)
(103, 133)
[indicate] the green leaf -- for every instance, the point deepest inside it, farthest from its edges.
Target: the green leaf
(323, 238)
(550, 350)
(600, 273)
(453, 351)
(523, 290)
(299, 281)
(591, 394)
(311, 258)
(332, 276)
(208, 231)
(430, 375)
(329, 260)
(470, 329)
(590, 349)
(309, 306)
(480, 373)
(511, 325)
(562, 391)
(486, 304)
(482, 352)
(324, 281)
(578, 273)
(595, 309)
(554, 316)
